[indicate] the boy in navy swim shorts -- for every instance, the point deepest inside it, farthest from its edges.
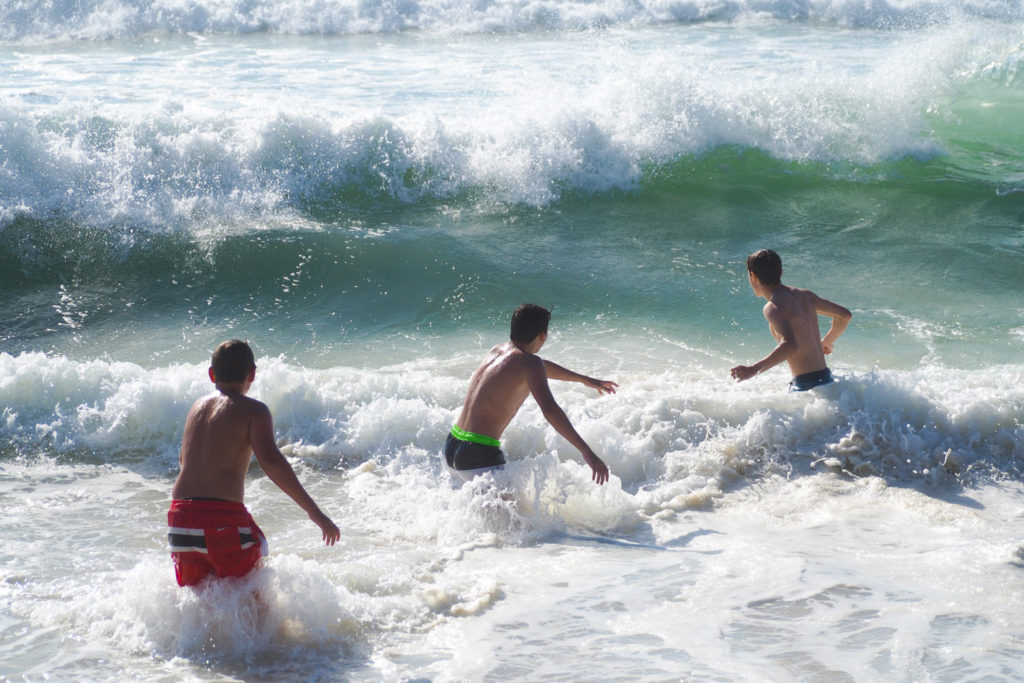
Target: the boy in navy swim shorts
(792, 316)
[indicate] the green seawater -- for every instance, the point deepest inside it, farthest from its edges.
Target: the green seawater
(928, 261)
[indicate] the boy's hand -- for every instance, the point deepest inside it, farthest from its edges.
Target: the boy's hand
(826, 347)
(742, 372)
(330, 531)
(602, 386)
(599, 469)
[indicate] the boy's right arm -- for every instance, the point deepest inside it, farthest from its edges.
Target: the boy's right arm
(787, 346)
(556, 371)
(274, 464)
(537, 380)
(840, 319)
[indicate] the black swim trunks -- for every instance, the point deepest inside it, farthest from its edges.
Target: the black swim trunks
(470, 457)
(809, 380)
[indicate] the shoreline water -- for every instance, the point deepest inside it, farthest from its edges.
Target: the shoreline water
(822, 575)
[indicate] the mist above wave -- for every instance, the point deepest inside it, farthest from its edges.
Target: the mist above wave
(95, 20)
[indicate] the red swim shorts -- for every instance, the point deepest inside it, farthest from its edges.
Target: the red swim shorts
(212, 537)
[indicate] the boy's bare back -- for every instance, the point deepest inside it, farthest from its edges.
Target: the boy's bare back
(499, 386)
(216, 447)
(793, 313)
(498, 389)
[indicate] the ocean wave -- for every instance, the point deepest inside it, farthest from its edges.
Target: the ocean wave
(170, 169)
(941, 106)
(100, 20)
(676, 444)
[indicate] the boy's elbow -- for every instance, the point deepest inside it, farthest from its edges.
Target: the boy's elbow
(552, 412)
(272, 461)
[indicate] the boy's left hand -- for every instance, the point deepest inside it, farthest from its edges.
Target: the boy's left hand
(742, 372)
(602, 386)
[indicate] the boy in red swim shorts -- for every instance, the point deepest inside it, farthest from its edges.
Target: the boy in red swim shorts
(211, 532)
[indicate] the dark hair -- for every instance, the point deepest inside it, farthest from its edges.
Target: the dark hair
(766, 265)
(529, 320)
(232, 361)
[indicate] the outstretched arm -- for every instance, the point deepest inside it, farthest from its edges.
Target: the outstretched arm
(274, 464)
(840, 319)
(537, 380)
(787, 346)
(556, 371)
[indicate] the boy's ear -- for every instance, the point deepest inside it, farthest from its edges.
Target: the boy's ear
(213, 378)
(252, 375)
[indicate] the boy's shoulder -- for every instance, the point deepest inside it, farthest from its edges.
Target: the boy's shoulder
(236, 402)
(515, 360)
(252, 405)
(803, 291)
(786, 293)
(521, 357)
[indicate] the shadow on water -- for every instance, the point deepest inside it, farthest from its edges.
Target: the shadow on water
(954, 495)
(307, 666)
(677, 543)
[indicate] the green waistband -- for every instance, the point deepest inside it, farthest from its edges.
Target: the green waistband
(463, 435)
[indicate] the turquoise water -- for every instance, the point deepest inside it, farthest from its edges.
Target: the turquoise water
(667, 257)
(366, 191)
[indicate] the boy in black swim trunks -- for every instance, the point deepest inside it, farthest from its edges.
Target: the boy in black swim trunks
(511, 372)
(792, 316)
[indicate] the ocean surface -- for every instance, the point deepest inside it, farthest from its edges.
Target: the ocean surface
(365, 190)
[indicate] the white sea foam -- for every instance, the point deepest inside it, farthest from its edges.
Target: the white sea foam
(288, 608)
(744, 503)
(869, 530)
(873, 564)
(74, 20)
(672, 442)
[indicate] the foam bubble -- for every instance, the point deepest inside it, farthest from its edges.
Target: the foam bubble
(463, 603)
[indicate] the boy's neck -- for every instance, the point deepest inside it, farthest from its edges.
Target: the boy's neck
(768, 291)
(525, 348)
(233, 388)
(531, 347)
